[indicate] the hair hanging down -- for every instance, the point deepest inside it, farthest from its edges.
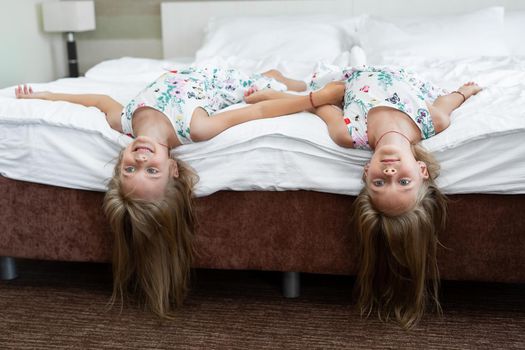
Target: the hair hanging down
(152, 250)
(398, 274)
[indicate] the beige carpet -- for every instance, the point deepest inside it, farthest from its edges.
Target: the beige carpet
(63, 306)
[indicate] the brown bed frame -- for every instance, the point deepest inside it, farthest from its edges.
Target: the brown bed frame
(294, 231)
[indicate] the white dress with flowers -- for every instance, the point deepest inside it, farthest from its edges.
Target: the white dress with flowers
(369, 87)
(178, 93)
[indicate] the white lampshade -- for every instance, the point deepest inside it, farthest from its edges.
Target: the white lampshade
(69, 16)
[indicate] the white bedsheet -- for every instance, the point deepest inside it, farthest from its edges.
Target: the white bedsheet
(62, 144)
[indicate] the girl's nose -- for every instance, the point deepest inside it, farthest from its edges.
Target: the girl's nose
(389, 171)
(141, 157)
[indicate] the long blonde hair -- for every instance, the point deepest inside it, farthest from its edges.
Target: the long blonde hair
(153, 242)
(398, 274)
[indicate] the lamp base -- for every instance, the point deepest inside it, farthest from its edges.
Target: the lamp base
(72, 55)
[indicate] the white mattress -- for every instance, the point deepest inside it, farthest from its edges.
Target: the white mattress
(62, 144)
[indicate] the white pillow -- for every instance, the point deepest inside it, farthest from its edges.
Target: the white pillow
(514, 31)
(457, 36)
(292, 69)
(128, 69)
(302, 39)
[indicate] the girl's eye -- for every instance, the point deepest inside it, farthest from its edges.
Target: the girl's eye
(152, 171)
(378, 183)
(129, 169)
(404, 182)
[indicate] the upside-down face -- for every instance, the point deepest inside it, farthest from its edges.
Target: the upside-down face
(146, 168)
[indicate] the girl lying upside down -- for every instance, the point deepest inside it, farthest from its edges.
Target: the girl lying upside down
(400, 210)
(149, 197)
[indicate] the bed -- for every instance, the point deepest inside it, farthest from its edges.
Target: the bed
(276, 194)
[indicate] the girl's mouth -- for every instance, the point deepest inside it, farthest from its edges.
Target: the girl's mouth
(142, 149)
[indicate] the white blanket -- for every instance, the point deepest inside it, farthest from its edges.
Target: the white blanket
(68, 145)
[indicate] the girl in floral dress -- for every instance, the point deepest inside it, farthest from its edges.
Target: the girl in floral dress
(149, 198)
(400, 210)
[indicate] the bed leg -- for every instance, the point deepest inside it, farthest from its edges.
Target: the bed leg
(7, 268)
(291, 284)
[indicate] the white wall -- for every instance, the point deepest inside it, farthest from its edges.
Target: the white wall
(27, 53)
(124, 28)
(132, 28)
(91, 52)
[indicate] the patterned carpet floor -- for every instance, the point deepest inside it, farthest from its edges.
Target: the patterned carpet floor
(55, 305)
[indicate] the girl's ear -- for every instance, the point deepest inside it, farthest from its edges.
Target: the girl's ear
(367, 165)
(423, 169)
(174, 168)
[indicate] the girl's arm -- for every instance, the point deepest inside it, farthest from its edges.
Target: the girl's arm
(203, 128)
(442, 107)
(333, 117)
(253, 96)
(104, 103)
(330, 114)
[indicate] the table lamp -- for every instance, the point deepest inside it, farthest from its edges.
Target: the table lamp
(69, 17)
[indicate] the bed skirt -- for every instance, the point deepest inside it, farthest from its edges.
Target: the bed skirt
(299, 231)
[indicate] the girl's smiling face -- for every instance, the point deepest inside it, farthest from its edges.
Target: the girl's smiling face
(146, 168)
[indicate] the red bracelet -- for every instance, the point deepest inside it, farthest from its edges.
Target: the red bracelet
(312, 100)
(462, 94)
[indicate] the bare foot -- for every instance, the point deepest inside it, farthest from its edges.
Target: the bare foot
(291, 84)
(469, 89)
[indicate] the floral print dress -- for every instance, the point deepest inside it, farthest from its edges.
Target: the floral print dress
(178, 93)
(369, 87)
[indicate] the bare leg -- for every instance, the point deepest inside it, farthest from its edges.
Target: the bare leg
(291, 84)
(443, 106)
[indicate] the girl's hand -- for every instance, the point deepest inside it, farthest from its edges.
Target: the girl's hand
(331, 94)
(26, 92)
(253, 96)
